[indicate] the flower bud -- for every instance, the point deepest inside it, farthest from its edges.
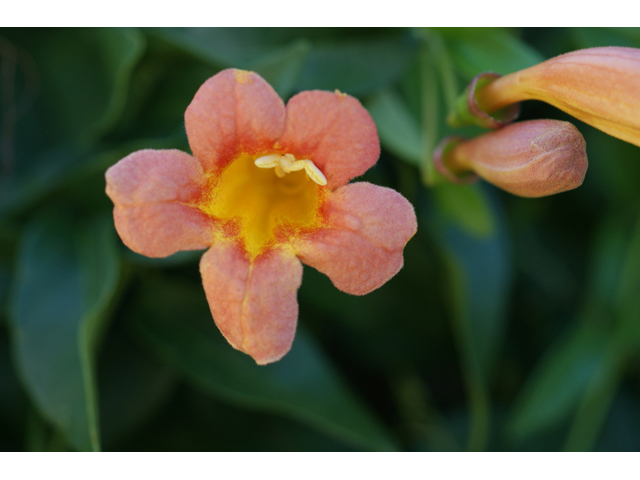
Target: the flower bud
(529, 159)
(599, 86)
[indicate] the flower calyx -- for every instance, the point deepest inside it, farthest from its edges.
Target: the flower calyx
(468, 111)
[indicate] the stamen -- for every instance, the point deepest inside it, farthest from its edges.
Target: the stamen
(268, 161)
(287, 163)
(314, 172)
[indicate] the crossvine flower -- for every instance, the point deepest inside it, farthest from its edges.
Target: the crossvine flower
(265, 189)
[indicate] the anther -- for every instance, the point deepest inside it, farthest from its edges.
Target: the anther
(287, 163)
(268, 161)
(279, 171)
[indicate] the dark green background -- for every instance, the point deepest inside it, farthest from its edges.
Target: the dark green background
(514, 325)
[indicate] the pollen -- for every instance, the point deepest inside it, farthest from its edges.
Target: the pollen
(287, 163)
(243, 76)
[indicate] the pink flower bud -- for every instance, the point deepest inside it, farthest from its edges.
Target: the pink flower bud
(599, 86)
(529, 159)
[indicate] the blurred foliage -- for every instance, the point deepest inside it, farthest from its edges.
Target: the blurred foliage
(514, 325)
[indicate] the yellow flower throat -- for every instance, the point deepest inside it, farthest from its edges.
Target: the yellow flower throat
(270, 198)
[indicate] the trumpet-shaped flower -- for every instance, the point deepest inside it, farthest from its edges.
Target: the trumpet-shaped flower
(600, 86)
(529, 159)
(266, 188)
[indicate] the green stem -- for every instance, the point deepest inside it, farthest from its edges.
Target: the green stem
(421, 415)
(446, 70)
(35, 432)
(480, 415)
(479, 404)
(595, 405)
(430, 113)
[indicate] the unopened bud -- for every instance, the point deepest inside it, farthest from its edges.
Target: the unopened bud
(529, 159)
(600, 86)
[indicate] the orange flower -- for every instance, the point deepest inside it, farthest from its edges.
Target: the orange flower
(600, 86)
(265, 189)
(530, 159)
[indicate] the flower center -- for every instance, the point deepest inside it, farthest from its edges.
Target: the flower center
(268, 209)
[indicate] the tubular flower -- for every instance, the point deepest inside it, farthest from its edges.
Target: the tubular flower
(265, 189)
(529, 159)
(599, 86)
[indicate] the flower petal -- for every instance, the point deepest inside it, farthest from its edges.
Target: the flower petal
(334, 131)
(253, 302)
(233, 112)
(361, 249)
(150, 190)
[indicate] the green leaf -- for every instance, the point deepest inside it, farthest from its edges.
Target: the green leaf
(621, 432)
(58, 167)
(627, 294)
(195, 421)
(174, 320)
(9, 234)
(631, 33)
(161, 88)
(87, 73)
(469, 34)
(607, 261)
(614, 179)
(178, 259)
(87, 76)
(12, 399)
(614, 279)
(133, 388)
(66, 277)
(4, 288)
(491, 51)
(358, 67)
(589, 37)
(612, 296)
(221, 47)
(121, 51)
(559, 381)
(594, 406)
(399, 130)
(48, 171)
(278, 59)
(281, 68)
